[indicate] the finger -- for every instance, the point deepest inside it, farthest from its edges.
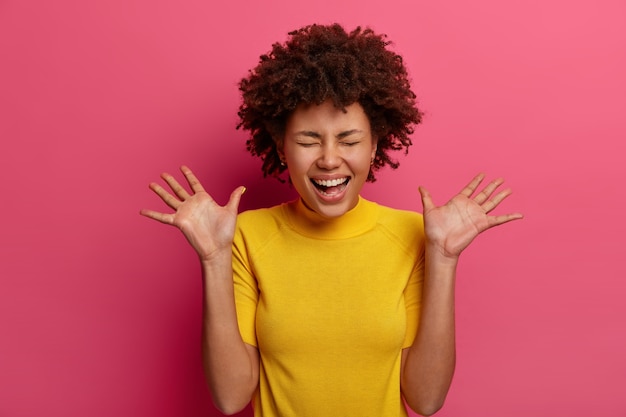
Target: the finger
(427, 200)
(178, 189)
(471, 187)
(155, 215)
(484, 195)
(505, 218)
(235, 198)
(495, 201)
(194, 183)
(169, 199)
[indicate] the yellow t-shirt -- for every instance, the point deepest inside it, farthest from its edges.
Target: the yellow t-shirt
(330, 304)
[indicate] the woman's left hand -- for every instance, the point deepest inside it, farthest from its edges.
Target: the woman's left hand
(453, 226)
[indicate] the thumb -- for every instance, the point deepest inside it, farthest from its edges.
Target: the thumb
(427, 200)
(235, 197)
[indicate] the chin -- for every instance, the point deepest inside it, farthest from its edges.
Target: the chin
(330, 211)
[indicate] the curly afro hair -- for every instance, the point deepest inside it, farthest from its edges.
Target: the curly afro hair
(318, 63)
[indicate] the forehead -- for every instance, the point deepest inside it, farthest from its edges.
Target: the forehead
(327, 115)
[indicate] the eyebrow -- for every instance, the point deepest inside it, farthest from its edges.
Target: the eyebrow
(312, 134)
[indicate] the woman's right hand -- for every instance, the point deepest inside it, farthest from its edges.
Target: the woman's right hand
(209, 227)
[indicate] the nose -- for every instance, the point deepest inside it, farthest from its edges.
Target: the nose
(330, 157)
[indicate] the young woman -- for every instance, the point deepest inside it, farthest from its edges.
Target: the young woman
(330, 304)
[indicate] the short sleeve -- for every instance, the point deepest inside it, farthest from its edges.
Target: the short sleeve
(246, 291)
(413, 300)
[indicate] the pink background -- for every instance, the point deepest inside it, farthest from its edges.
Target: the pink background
(100, 308)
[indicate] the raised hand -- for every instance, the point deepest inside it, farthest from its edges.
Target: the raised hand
(453, 226)
(208, 227)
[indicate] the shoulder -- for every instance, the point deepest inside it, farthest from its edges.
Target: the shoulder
(263, 221)
(399, 219)
(397, 215)
(404, 226)
(258, 228)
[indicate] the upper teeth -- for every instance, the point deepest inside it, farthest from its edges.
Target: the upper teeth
(331, 183)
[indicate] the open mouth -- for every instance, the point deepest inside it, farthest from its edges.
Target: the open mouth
(331, 187)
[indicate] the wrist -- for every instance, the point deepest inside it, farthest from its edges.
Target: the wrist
(217, 258)
(435, 253)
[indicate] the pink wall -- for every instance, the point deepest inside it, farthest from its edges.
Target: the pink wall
(100, 308)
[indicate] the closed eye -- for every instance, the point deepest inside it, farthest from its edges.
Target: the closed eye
(307, 144)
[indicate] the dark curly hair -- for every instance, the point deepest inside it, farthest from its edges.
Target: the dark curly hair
(318, 63)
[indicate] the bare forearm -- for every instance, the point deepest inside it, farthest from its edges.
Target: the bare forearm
(429, 363)
(229, 364)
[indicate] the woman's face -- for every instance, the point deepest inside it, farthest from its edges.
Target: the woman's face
(328, 153)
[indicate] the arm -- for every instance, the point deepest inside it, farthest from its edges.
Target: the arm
(428, 365)
(231, 366)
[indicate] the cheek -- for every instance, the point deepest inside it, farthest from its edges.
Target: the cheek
(299, 163)
(364, 160)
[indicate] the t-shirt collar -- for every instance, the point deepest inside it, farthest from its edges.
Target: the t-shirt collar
(357, 221)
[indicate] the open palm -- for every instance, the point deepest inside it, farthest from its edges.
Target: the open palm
(208, 227)
(453, 226)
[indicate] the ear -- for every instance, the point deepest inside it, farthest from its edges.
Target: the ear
(374, 147)
(280, 152)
